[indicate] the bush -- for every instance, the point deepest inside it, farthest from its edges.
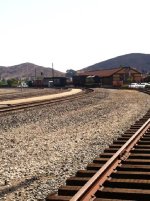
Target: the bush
(12, 82)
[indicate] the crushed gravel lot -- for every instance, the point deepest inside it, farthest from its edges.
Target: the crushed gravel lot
(42, 147)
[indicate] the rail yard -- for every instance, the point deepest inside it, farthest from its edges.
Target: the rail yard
(17, 93)
(15, 105)
(43, 146)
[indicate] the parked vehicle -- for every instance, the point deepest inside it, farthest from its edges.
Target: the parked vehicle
(23, 85)
(145, 85)
(133, 85)
(139, 85)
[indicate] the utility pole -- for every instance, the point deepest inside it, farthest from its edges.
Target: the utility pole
(35, 79)
(53, 73)
(35, 73)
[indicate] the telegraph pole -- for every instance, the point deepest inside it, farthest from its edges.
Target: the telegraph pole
(52, 73)
(35, 79)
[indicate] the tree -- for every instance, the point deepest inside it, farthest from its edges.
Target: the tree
(12, 82)
(3, 82)
(70, 73)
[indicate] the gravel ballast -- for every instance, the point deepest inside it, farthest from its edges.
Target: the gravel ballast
(42, 147)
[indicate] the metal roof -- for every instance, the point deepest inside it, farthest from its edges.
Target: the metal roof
(105, 73)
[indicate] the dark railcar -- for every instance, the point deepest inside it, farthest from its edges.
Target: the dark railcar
(93, 81)
(57, 81)
(79, 80)
(86, 81)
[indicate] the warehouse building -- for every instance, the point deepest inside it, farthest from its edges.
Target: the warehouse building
(50, 82)
(54, 81)
(116, 76)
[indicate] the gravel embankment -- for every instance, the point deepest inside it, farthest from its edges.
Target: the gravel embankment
(41, 147)
(8, 94)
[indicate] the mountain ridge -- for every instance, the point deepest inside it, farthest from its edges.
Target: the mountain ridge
(139, 61)
(25, 70)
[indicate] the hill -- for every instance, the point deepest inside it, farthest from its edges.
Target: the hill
(136, 60)
(27, 70)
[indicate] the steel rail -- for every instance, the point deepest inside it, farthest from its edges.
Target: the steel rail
(89, 189)
(21, 106)
(13, 95)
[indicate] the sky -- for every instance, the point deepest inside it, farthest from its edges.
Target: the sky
(72, 34)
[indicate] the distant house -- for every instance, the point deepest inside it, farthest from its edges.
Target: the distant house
(116, 76)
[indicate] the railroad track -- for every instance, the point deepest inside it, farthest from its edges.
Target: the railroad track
(122, 172)
(25, 94)
(147, 90)
(27, 105)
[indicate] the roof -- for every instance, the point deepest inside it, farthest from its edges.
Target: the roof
(104, 73)
(101, 73)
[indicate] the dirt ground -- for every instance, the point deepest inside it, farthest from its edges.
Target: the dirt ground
(5, 91)
(38, 98)
(41, 147)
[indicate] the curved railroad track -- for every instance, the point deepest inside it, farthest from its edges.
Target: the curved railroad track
(121, 173)
(21, 106)
(26, 94)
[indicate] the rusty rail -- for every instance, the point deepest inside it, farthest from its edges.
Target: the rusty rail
(122, 167)
(122, 174)
(88, 190)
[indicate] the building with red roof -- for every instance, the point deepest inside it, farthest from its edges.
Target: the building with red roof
(115, 76)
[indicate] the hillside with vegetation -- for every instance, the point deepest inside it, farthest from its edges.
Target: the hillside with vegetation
(136, 60)
(27, 70)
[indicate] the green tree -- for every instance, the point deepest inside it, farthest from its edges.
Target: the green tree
(70, 73)
(3, 82)
(12, 82)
